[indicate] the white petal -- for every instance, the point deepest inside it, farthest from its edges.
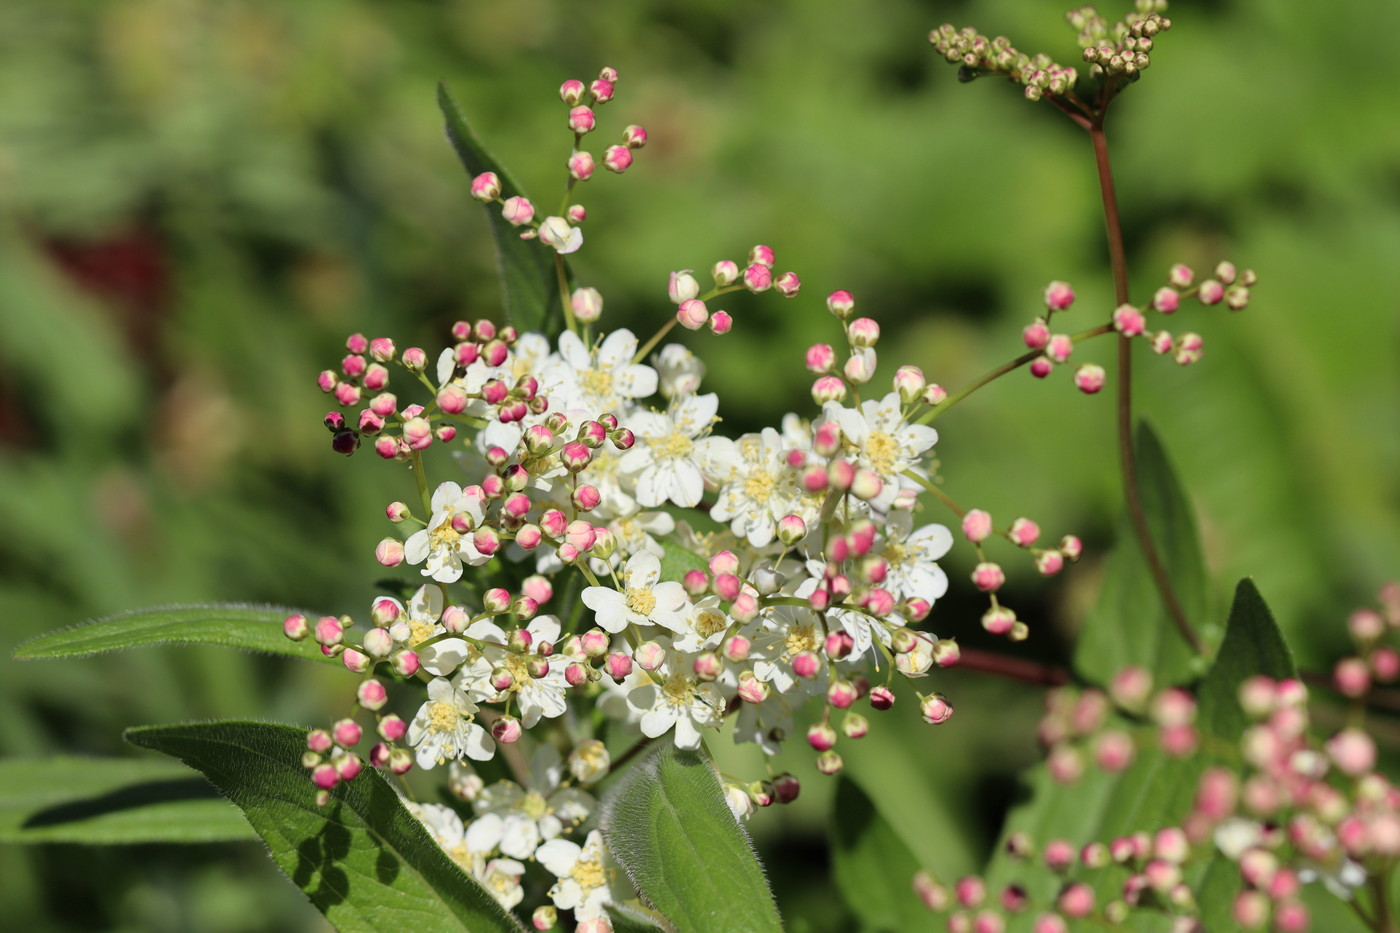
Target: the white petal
(658, 721)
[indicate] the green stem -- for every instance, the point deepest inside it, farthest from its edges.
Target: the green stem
(1126, 457)
(1002, 370)
(421, 478)
(564, 301)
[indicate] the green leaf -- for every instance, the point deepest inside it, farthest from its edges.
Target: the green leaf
(874, 868)
(363, 860)
(1253, 645)
(1129, 624)
(1156, 790)
(100, 801)
(667, 823)
(679, 560)
(529, 279)
(253, 628)
(626, 919)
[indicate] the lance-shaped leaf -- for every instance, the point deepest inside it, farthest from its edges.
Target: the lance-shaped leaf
(529, 276)
(1156, 790)
(363, 859)
(873, 866)
(253, 628)
(667, 823)
(99, 801)
(1129, 625)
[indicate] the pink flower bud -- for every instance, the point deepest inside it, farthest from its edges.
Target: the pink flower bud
(486, 187)
(820, 358)
(1128, 320)
(977, 525)
(787, 284)
(319, 741)
(329, 631)
(998, 620)
(791, 529)
(806, 664)
(1211, 292)
(376, 377)
(1076, 901)
(692, 314)
(829, 762)
(988, 577)
(828, 389)
(601, 90)
(909, 383)
(1058, 296)
(296, 627)
(935, 395)
(1024, 532)
(1049, 563)
(634, 137)
(840, 694)
(860, 367)
(881, 697)
(618, 665)
(571, 91)
(356, 662)
(389, 552)
(762, 255)
(1166, 300)
(324, 776)
(371, 694)
(1059, 347)
(581, 166)
(518, 211)
(384, 404)
(1089, 378)
(935, 709)
(506, 730)
(840, 303)
(622, 439)
(1352, 677)
(1071, 547)
(866, 485)
(863, 332)
(617, 159)
(347, 733)
(725, 272)
(1113, 751)
(581, 119)
(650, 655)
(1041, 367)
(821, 736)
(736, 648)
(347, 394)
(758, 278)
(721, 323)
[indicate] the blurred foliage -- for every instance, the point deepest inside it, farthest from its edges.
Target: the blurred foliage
(199, 200)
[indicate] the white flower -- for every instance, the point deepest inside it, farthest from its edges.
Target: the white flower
(464, 846)
(786, 632)
(681, 702)
(881, 441)
(596, 382)
(419, 623)
(588, 880)
(447, 542)
(444, 730)
(642, 600)
(556, 232)
(765, 724)
(501, 876)
(911, 555)
(537, 814)
(757, 487)
(535, 697)
(680, 370)
(670, 451)
(704, 626)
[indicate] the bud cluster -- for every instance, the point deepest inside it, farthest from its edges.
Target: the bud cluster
(976, 56)
(1227, 285)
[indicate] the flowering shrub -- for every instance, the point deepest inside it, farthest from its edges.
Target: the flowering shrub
(598, 581)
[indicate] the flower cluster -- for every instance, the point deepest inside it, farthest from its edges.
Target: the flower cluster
(1301, 810)
(604, 566)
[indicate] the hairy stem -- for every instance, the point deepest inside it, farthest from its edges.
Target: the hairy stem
(1127, 459)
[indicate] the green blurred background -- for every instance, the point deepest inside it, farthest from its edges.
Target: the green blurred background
(200, 199)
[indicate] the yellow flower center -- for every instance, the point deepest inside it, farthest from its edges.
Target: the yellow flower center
(759, 486)
(460, 855)
(677, 690)
(443, 716)
(533, 805)
(708, 622)
(883, 452)
(588, 872)
(801, 638)
(596, 382)
(640, 600)
(419, 631)
(443, 536)
(676, 446)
